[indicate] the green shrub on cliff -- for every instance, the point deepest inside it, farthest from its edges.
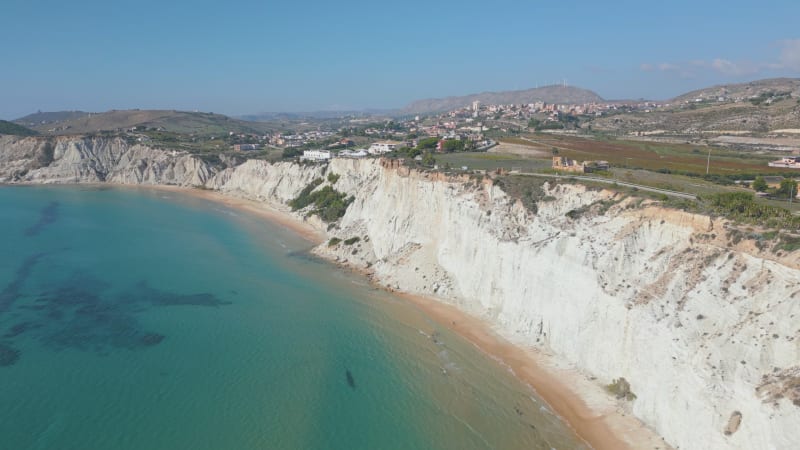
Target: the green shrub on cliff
(787, 243)
(741, 206)
(304, 198)
(333, 178)
(621, 389)
(329, 204)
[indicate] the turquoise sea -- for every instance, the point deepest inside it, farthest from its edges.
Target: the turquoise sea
(144, 319)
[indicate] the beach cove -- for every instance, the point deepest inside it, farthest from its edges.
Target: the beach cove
(597, 419)
(598, 288)
(156, 318)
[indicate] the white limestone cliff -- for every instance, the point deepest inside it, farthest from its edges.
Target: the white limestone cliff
(96, 159)
(703, 328)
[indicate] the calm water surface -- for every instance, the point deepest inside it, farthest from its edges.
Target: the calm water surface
(140, 319)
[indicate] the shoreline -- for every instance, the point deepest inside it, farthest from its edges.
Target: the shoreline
(590, 413)
(261, 209)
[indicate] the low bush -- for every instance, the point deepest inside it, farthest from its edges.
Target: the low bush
(352, 240)
(329, 204)
(741, 206)
(621, 389)
(304, 198)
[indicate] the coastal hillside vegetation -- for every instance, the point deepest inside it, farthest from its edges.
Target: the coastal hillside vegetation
(14, 129)
(742, 207)
(333, 178)
(328, 203)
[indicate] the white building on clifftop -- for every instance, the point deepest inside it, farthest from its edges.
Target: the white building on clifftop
(316, 155)
(380, 148)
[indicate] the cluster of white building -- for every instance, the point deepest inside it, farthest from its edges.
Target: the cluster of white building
(326, 155)
(316, 155)
(296, 140)
(791, 162)
(360, 153)
(379, 148)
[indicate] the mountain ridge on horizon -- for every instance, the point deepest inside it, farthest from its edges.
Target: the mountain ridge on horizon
(577, 95)
(548, 94)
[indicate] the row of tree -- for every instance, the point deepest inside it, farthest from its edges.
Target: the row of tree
(787, 188)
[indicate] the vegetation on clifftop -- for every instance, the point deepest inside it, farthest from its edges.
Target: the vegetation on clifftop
(14, 129)
(742, 207)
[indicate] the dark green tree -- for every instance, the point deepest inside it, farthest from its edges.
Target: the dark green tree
(788, 188)
(427, 143)
(759, 184)
(453, 145)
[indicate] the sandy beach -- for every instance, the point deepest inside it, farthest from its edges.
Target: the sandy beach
(594, 416)
(591, 413)
(261, 209)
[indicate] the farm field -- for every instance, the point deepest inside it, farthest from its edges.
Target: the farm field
(492, 161)
(675, 167)
(657, 156)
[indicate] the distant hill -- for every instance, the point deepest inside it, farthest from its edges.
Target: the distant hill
(547, 94)
(42, 118)
(743, 90)
(174, 121)
(15, 129)
(314, 115)
(760, 106)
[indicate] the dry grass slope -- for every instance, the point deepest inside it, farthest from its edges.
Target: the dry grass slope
(182, 122)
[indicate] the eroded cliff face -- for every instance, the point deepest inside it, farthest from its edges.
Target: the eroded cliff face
(706, 332)
(276, 183)
(98, 159)
(701, 330)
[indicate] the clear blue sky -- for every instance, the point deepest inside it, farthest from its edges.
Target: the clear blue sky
(244, 56)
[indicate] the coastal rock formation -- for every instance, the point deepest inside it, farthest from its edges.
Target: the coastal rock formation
(96, 159)
(261, 181)
(704, 331)
(696, 326)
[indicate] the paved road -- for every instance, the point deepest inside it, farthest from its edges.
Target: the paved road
(612, 181)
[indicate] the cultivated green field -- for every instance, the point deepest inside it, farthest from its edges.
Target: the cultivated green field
(492, 161)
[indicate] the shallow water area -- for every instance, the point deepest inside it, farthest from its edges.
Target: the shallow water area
(135, 318)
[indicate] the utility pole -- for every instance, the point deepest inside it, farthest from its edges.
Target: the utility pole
(708, 163)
